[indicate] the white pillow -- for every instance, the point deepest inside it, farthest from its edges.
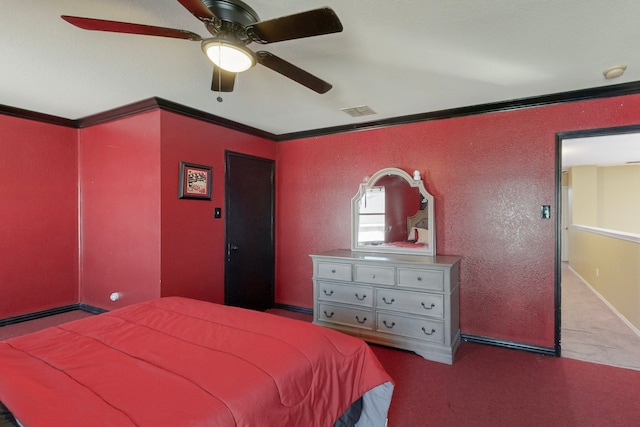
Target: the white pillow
(422, 235)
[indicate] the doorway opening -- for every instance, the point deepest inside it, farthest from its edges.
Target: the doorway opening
(594, 323)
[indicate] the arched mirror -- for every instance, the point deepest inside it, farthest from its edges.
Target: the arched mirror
(393, 212)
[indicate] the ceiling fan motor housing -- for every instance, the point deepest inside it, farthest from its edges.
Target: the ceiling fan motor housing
(232, 11)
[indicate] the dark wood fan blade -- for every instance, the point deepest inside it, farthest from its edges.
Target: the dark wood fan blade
(198, 9)
(287, 69)
(125, 27)
(223, 80)
(306, 24)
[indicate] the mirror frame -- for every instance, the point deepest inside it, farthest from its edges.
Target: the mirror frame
(424, 194)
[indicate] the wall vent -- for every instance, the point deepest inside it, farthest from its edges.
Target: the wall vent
(363, 110)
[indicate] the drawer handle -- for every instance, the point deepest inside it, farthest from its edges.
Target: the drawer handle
(331, 315)
(433, 331)
(333, 271)
(389, 326)
(427, 308)
(388, 302)
(361, 321)
(419, 279)
(328, 293)
(373, 276)
(361, 299)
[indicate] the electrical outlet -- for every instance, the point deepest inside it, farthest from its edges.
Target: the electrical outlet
(217, 213)
(597, 272)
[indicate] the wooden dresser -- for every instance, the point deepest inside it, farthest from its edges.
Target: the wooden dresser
(405, 301)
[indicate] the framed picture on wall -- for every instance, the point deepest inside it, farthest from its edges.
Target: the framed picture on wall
(195, 181)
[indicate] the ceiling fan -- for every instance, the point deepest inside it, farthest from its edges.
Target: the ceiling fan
(234, 25)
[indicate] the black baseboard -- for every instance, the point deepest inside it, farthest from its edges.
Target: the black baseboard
(50, 312)
(511, 345)
(474, 339)
(294, 308)
(91, 309)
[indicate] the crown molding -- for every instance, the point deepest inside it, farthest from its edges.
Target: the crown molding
(35, 116)
(152, 104)
(623, 89)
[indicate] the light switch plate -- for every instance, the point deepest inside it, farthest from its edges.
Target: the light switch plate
(545, 211)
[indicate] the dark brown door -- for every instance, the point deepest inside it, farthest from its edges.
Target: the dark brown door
(249, 230)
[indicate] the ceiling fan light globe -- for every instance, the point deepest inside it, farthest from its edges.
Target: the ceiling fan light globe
(235, 58)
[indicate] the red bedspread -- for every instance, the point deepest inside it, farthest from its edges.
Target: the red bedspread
(180, 362)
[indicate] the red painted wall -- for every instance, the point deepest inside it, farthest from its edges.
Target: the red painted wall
(38, 216)
(489, 175)
(193, 245)
(120, 211)
(137, 237)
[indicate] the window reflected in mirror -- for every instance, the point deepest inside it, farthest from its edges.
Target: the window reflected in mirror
(393, 212)
(372, 216)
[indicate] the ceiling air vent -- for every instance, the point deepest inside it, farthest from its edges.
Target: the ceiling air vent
(360, 111)
(633, 162)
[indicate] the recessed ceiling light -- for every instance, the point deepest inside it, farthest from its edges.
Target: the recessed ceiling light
(613, 72)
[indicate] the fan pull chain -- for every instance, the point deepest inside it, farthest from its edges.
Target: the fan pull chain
(219, 98)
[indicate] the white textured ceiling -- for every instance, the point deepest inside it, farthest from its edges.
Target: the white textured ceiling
(399, 57)
(607, 150)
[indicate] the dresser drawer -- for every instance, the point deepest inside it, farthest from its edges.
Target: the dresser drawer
(423, 304)
(376, 275)
(423, 279)
(335, 271)
(346, 316)
(404, 301)
(350, 294)
(415, 327)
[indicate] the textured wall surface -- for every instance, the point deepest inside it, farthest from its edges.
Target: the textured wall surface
(193, 241)
(138, 238)
(120, 211)
(38, 216)
(489, 174)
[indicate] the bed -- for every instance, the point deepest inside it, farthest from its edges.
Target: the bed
(181, 362)
(418, 228)
(417, 233)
